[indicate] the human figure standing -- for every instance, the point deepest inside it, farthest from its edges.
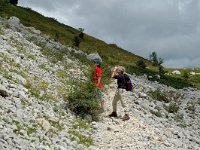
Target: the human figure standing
(98, 81)
(118, 73)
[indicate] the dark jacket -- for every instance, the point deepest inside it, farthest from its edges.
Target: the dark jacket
(121, 84)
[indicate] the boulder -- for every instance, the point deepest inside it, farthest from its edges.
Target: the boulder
(94, 57)
(176, 72)
(14, 23)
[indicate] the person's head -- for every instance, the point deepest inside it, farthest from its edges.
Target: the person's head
(120, 69)
(98, 64)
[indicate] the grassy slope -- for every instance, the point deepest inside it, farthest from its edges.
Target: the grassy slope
(111, 53)
(49, 26)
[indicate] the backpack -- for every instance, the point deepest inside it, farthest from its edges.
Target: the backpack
(129, 85)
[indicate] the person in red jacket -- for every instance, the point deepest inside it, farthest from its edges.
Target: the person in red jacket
(98, 81)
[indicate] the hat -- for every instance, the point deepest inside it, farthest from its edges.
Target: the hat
(97, 61)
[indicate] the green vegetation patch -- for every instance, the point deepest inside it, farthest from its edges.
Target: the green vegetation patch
(172, 107)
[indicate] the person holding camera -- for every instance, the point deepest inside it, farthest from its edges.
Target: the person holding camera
(118, 73)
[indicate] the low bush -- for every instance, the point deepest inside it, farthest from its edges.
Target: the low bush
(172, 108)
(191, 107)
(156, 113)
(141, 64)
(158, 95)
(82, 100)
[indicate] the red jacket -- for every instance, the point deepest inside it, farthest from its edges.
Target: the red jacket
(98, 73)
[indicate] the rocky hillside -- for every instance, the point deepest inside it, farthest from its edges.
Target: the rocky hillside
(36, 76)
(161, 118)
(33, 86)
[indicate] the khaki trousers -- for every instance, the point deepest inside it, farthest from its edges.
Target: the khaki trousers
(119, 96)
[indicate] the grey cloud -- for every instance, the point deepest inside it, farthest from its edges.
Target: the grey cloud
(170, 27)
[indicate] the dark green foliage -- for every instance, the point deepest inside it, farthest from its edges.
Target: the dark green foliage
(172, 108)
(156, 113)
(174, 82)
(76, 41)
(186, 76)
(138, 71)
(83, 101)
(57, 37)
(14, 2)
(141, 64)
(160, 96)
(155, 60)
(2, 4)
(81, 34)
(191, 107)
(161, 71)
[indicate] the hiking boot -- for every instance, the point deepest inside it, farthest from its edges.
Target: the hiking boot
(126, 117)
(113, 114)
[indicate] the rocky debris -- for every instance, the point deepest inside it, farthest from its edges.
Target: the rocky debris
(33, 90)
(150, 126)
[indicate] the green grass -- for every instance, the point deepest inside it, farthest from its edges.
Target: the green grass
(172, 108)
(85, 140)
(194, 80)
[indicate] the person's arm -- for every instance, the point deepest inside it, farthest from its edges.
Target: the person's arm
(114, 72)
(99, 80)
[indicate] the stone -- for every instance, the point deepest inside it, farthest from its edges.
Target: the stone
(3, 91)
(43, 123)
(14, 22)
(81, 147)
(93, 148)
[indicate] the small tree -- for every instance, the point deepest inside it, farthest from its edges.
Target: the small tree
(81, 35)
(155, 60)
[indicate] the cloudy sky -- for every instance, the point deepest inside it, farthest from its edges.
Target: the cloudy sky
(169, 27)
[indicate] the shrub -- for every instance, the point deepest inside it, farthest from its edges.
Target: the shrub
(156, 113)
(158, 95)
(186, 76)
(57, 37)
(179, 118)
(172, 108)
(161, 71)
(191, 107)
(83, 101)
(141, 64)
(76, 41)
